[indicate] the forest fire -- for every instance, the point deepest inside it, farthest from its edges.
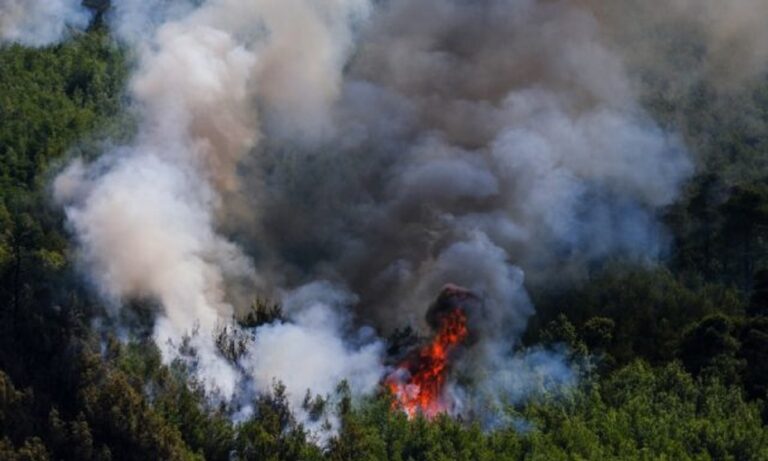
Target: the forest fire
(418, 381)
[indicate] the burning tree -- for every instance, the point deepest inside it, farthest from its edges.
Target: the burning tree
(418, 381)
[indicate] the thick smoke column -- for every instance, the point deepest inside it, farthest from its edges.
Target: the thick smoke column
(388, 150)
(41, 22)
(146, 215)
(475, 141)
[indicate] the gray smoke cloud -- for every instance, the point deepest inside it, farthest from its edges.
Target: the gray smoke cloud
(42, 22)
(475, 142)
(352, 158)
(462, 120)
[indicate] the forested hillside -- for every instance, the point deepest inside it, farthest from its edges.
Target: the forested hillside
(671, 356)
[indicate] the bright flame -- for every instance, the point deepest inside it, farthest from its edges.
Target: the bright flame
(417, 383)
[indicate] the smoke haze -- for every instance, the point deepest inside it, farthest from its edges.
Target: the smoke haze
(351, 158)
(729, 38)
(42, 22)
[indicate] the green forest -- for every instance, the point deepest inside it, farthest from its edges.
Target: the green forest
(673, 356)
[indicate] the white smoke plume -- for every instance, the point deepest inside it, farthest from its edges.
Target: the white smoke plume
(146, 231)
(388, 148)
(314, 350)
(41, 22)
(146, 215)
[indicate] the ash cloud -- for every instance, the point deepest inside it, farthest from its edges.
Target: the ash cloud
(387, 148)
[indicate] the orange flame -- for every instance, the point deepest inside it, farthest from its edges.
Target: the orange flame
(417, 383)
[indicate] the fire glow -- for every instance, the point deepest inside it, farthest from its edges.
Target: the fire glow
(417, 383)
